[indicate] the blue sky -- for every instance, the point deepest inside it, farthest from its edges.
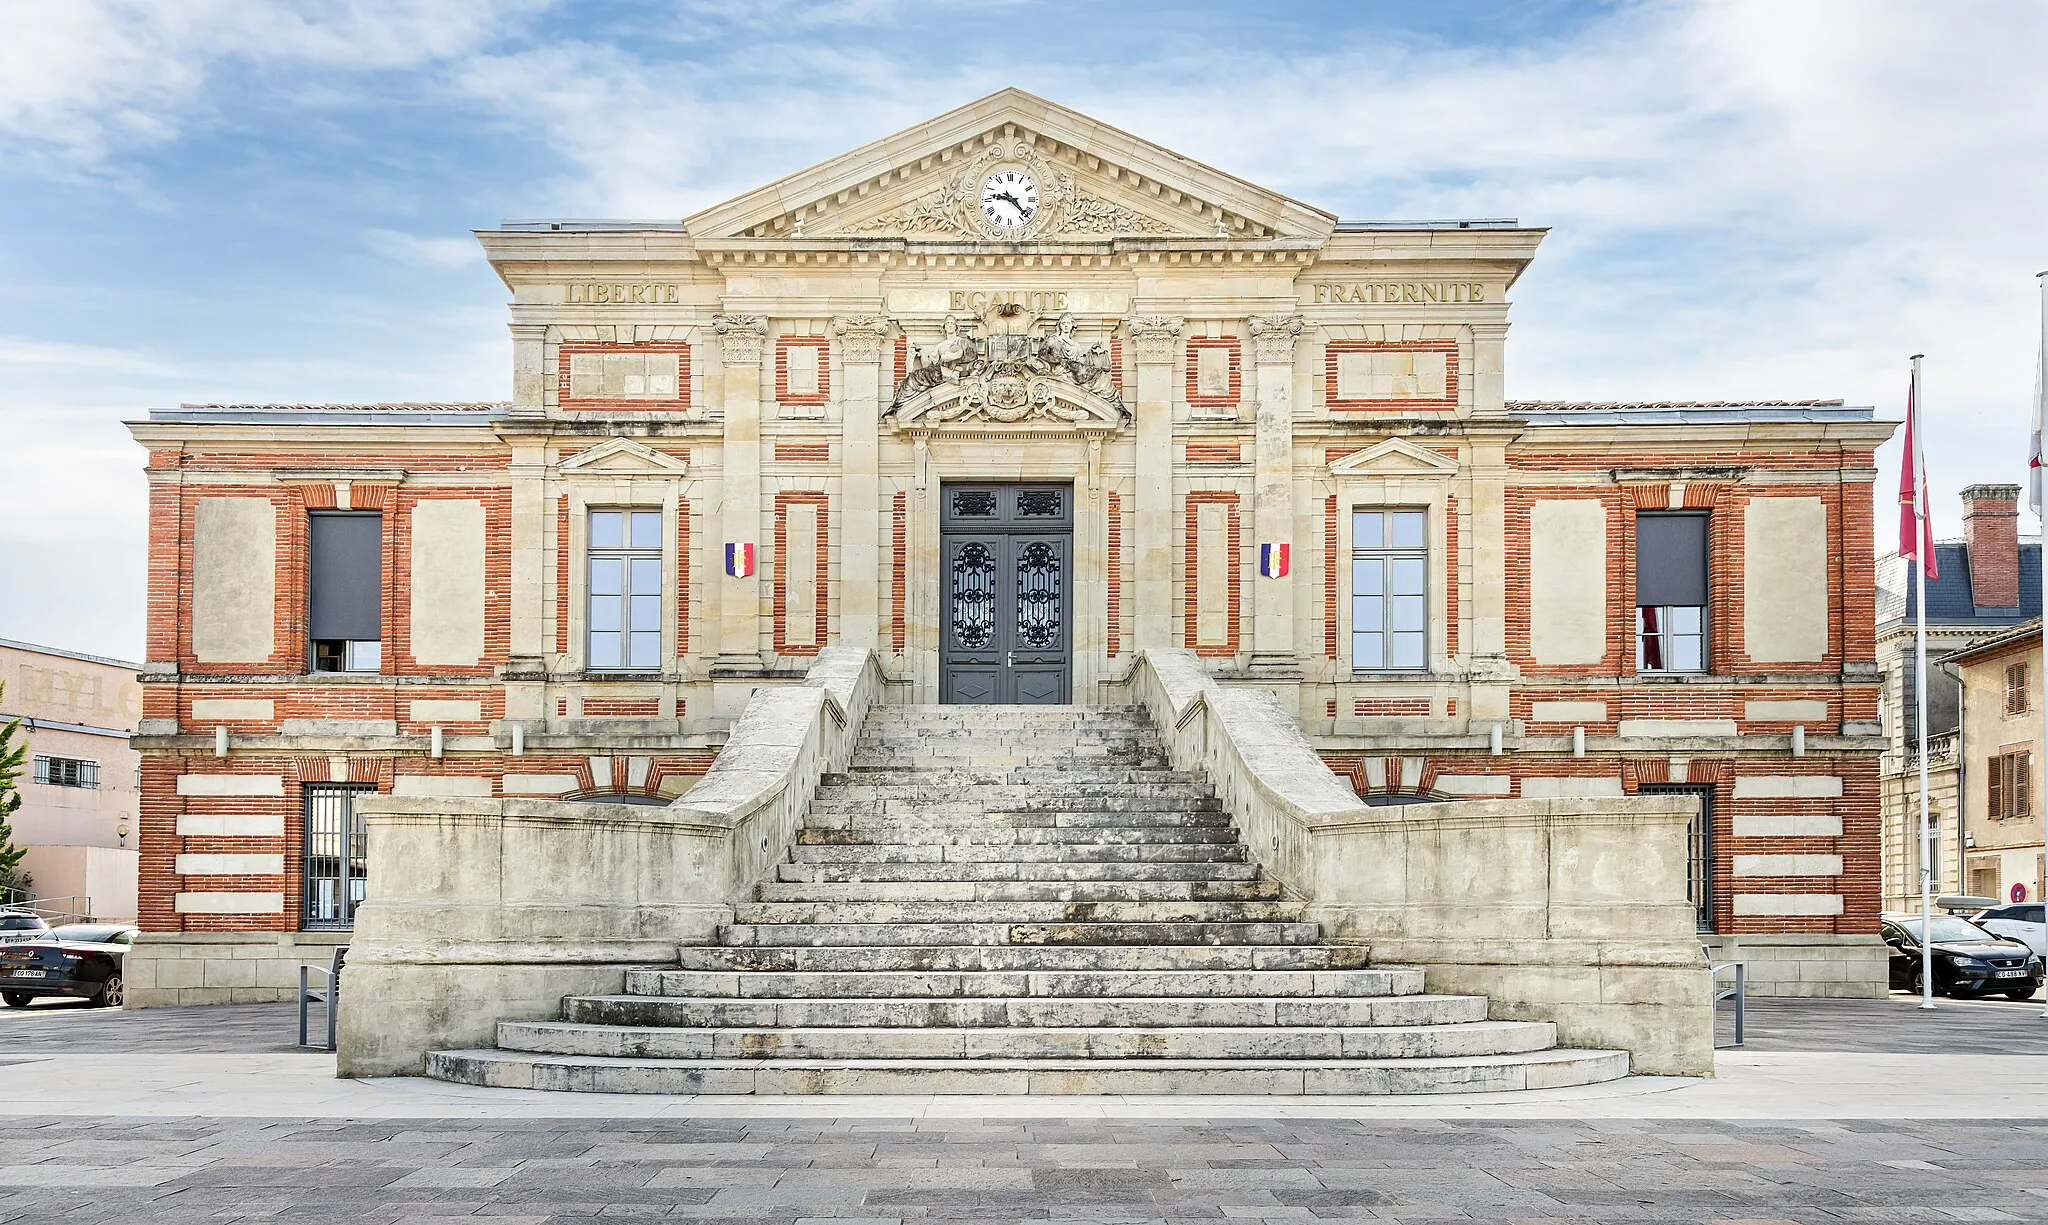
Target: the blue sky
(255, 200)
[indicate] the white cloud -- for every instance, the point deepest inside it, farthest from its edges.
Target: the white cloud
(1748, 198)
(424, 252)
(81, 80)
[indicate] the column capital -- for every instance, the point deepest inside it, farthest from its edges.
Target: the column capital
(1273, 338)
(860, 338)
(741, 338)
(1154, 337)
(528, 331)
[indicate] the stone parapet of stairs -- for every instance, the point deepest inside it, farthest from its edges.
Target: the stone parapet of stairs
(1023, 901)
(486, 910)
(1568, 911)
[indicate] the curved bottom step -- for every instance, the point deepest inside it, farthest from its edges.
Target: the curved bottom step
(1551, 1069)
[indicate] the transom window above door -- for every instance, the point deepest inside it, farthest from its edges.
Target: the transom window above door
(1389, 590)
(624, 625)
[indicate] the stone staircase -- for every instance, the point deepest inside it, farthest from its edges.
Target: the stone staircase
(1022, 900)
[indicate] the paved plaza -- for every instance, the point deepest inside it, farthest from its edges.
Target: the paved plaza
(1836, 1111)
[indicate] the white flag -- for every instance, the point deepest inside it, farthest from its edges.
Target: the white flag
(2040, 406)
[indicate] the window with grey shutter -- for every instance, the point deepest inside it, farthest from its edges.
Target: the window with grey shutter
(345, 590)
(1671, 592)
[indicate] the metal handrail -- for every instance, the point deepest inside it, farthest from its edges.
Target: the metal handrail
(1739, 993)
(47, 908)
(327, 994)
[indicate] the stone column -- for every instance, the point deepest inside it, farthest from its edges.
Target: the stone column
(1486, 629)
(1155, 357)
(860, 498)
(1273, 340)
(529, 375)
(741, 340)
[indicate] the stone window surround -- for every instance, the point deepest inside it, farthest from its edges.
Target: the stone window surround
(1356, 492)
(612, 491)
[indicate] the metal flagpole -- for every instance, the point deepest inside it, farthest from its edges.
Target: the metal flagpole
(2034, 462)
(1920, 687)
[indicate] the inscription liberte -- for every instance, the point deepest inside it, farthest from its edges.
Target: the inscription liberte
(1390, 293)
(582, 294)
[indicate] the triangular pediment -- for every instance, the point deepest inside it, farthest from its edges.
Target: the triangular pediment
(1094, 182)
(1394, 457)
(623, 457)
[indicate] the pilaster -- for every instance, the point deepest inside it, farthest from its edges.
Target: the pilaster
(1273, 343)
(742, 339)
(1155, 360)
(860, 550)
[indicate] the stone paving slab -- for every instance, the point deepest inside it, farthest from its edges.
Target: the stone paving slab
(1065, 1171)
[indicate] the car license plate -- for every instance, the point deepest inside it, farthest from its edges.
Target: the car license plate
(30, 973)
(2010, 974)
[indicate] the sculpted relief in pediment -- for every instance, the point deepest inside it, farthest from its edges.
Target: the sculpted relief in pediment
(1009, 191)
(1008, 369)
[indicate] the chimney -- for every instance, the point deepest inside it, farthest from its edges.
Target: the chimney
(1991, 532)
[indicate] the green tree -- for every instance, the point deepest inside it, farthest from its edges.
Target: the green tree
(12, 754)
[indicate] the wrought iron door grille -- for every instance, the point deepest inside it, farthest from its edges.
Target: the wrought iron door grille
(335, 854)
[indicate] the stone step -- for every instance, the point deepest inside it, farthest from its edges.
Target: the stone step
(1021, 891)
(955, 873)
(1097, 776)
(995, 1042)
(884, 832)
(1008, 716)
(1002, 958)
(661, 1012)
(1555, 1068)
(1127, 933)
(819, 914)
(996, 794)
(1213, 985)
(841, 852)
(1050, 758)
(1019, 800)
(924, 823)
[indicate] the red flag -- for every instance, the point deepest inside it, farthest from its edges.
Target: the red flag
(1912, 477)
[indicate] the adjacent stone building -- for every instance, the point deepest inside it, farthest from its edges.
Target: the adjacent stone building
(1989, 582)
(80, 805)
(1007, 398)
(2000, 764)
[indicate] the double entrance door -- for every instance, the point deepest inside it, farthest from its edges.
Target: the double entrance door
(1005, 602)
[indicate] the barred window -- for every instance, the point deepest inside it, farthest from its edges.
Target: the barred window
(66, 772)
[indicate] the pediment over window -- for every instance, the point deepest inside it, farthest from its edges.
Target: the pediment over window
(623, 457)
(1394, 457)
(1088, 181)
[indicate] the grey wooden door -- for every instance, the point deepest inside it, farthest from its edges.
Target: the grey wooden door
(1005, 608)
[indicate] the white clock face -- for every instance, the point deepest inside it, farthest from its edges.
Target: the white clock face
(1009, 198)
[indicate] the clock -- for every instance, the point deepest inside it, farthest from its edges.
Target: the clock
(1009, 199)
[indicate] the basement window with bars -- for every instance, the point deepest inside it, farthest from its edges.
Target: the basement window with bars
(624, 627)
(336, 856)
(1671, 592)
(345, 590)
(66, 772)
(2011, 785)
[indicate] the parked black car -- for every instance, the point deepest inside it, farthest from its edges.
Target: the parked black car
(1967, 959)
(78, 960)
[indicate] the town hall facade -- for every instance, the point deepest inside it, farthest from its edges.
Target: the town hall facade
(1006, 398)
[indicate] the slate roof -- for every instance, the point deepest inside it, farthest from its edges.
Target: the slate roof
(1948, 597)
(1550, 406)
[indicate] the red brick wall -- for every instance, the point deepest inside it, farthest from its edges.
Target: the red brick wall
(1335, 403)
(1191, 574)
(780, 606)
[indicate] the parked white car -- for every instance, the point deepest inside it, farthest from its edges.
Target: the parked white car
(21, 925)
(2020, 921)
